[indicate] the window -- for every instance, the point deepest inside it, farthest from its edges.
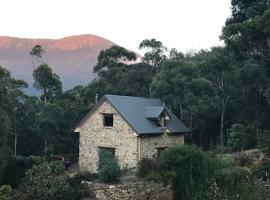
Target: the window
(108, 120)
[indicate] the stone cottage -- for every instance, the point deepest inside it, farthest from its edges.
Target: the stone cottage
(131, 128)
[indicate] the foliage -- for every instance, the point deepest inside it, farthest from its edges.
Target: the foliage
(16, 168)
(85, 176)
(5, 192)
(113, 56)
(238, 137)
(188, 169)
(244, 160)
(149, 169)
(155, 55)
(264, 141)
(263, 171)
(46, 80)
(46, 181)
(108, 168)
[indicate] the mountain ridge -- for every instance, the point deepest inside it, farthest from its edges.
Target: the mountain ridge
(71, 57)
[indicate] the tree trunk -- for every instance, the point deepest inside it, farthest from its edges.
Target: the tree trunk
(191, 126)
(45, 146)
(221, 134)
(45, 96)
(15, 143)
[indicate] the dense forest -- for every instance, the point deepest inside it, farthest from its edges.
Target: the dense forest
(221, 94)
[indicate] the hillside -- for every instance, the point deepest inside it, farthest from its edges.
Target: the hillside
(72, 58)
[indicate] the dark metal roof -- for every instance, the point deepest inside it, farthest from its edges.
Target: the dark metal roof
(153, 112)
(134, 110)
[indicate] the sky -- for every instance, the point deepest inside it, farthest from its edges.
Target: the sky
(182, 24)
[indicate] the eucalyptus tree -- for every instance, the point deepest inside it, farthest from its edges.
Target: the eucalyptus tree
(191, 97)
(112, 57)
(155, 53)
(36, 52)
(47, 81)
(218, 67)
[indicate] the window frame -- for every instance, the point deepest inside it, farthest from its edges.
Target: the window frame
(105, 122)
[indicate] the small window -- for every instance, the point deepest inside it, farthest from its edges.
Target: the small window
(108, 120)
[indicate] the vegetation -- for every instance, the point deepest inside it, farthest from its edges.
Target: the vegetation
(109, 170)
(195, 174)
(46, 181)
(5, 192)
(221, 94)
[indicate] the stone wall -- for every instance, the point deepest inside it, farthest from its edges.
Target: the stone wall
(129, 148)
(138, 190)
(94, 135)
(149, 145)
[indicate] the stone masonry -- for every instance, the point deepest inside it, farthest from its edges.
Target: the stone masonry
(137, 190)
(129, 147)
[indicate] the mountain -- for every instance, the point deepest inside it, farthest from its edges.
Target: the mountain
(72, 58)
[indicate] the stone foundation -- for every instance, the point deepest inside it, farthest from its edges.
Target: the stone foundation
(139, 190)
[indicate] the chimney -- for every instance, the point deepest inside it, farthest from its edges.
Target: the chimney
(96, 99)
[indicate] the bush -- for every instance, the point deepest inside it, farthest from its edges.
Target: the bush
(262, 171)
(46, 181)
(149, 169)
(110, 171)
(16, 168)
(244, 160)
(264, 141)
(189, 169)
(5, 192)
(85, 176)
(238, 137)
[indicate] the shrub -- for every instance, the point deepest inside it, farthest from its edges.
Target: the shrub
(5, 192)
(264, 141)
(149, 169)
(263, 171)
(238, 137)
(189, 169)
(85, 176)
(244, 160)
(110, 171)
(16, 168)
(45, 182)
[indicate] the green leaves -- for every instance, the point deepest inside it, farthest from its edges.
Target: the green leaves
(46, 80)
(112, 57)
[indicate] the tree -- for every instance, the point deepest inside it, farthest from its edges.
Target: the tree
(113, 57)
(47, 81)
(37, 52)
(190, 96)
(219, 69)
(237, 137)
(155, 54)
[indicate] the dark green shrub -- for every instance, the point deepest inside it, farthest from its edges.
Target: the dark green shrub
(189, 169)
(16, 168)
(85, 176)
(110, 171)
(149, 169)
(263, 171)
(238, 137)
(264, 141)
(244, 160)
